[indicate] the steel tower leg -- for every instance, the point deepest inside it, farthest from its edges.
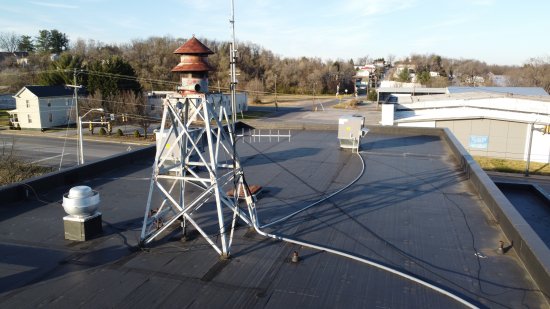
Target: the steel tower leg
(186, 177)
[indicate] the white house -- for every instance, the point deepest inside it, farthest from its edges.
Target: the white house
(41, 107)
(21, 58)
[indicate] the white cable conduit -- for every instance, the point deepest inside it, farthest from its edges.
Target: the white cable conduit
(254, 220)
(321, 200)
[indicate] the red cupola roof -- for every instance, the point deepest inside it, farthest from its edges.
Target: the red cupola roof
(194, 56)
(193, 46)
(192, 65)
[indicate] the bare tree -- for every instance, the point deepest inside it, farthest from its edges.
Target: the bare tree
(534, 73)
(255, 89)
(391, 59)
(135, 105)
(9, 41)
(363, 60)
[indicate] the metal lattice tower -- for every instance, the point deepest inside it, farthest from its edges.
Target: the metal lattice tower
(194, 149)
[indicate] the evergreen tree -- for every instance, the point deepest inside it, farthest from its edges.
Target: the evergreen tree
(25, 44)
(51, 41)
(43, 41)
(110, 77)
(58, 41)
(61, 71)
(404, 75)
(423, 78)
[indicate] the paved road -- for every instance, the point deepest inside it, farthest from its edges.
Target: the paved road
(57, 152)
(306, 111)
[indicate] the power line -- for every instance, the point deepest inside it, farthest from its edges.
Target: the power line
(136, 78)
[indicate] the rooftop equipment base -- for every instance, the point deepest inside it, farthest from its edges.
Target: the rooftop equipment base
(82, 229)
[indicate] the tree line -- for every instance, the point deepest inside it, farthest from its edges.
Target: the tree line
(52, 41)
(535, 72)
(149, 61)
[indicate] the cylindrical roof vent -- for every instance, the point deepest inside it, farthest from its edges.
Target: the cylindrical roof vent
(81, 201)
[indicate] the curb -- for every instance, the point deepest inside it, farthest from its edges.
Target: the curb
(85, 137)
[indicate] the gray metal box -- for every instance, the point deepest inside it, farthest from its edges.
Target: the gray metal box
(82, 229)
(350, 130)
(175, 154)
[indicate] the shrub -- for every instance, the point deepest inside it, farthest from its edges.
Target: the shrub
(119, 132)
(136, 134)
(102, 132)
(352, 103)
(372, 95)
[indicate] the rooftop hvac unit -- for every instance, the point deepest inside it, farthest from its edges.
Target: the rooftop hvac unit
(350, 131)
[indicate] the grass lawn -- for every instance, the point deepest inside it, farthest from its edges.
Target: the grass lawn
(512, 166)
(253, 114)
(270, 99)
(353, 103)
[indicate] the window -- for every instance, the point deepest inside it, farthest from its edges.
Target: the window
(51, 117)
(28, 103)
(29, 119)
(152, 107)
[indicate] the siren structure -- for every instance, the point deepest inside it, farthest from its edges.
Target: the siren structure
(195, 149)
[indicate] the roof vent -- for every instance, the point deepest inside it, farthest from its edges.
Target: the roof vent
(81, 201)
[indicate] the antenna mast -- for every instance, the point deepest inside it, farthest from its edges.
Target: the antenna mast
(233, 60)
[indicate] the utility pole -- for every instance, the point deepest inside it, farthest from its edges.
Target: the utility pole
(276, 101)
(531, 128)
(78, 128)
(313, 102)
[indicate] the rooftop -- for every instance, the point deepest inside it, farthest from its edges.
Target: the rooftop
(525, 91)
(474, 95)
(530, 93)
(50, 91)
(193, 46)
(415, 209)
(473, 105)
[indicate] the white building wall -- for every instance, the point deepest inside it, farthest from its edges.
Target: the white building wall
(41, 113)
(225, 100)
(56, 111)
(388, 112)
(27, 110)
(540, 147)
(507, 104)
(422, 124)
(508, 118)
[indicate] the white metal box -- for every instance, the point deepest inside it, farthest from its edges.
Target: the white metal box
(350, 131)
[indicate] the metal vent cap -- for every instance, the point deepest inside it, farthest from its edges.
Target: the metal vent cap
(81, 201)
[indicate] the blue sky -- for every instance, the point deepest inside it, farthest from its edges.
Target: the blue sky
(494, 31)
